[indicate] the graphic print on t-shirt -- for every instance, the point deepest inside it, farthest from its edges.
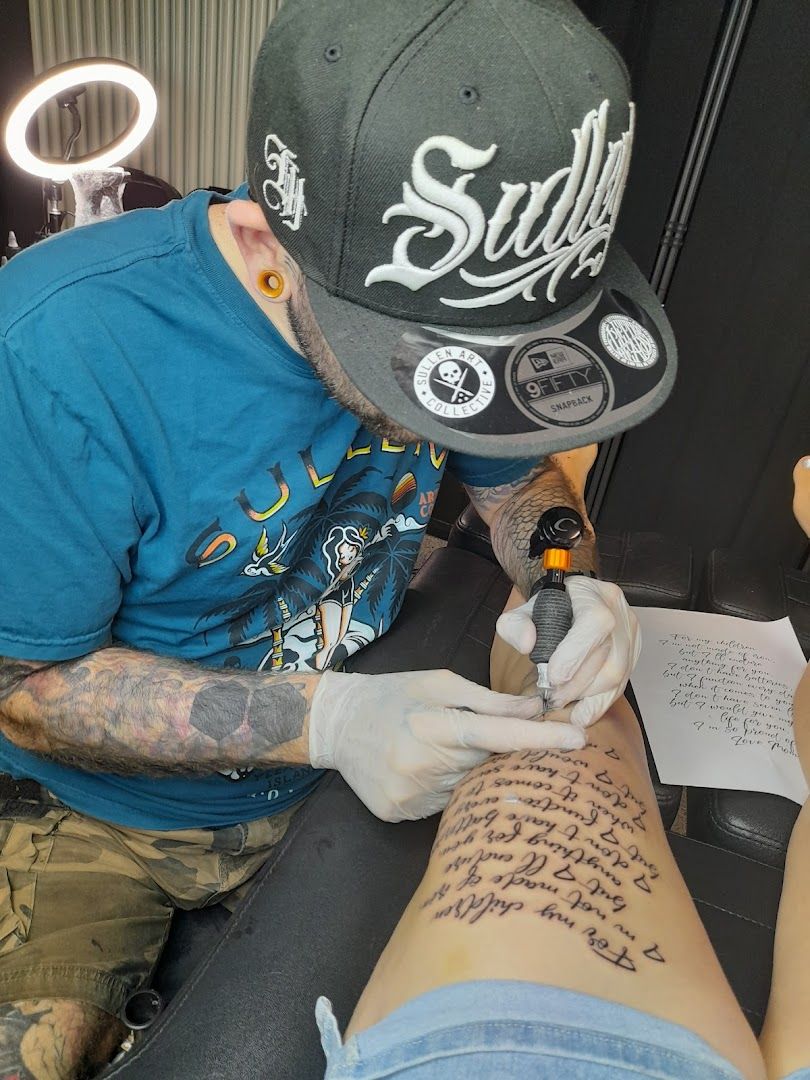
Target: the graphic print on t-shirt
(181, 467)
(330, 577)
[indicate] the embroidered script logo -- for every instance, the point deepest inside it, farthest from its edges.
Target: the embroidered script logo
(285, 191)
(578, 205)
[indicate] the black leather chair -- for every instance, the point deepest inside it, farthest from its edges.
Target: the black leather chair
(751, 823)
(733, 585)
(325, 904)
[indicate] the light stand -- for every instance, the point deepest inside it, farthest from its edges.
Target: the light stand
(52, 190)
(66, 83)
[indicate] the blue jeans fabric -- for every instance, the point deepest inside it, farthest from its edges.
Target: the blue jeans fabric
(518, 1031)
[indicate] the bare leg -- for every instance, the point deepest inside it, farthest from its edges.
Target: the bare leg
(553, 867)
(801, 492)
(784, 1040)
(49, 1039)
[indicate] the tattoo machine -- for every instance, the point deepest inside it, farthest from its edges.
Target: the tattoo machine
(558, 531)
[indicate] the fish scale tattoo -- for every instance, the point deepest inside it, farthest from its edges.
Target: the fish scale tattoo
(517, 506)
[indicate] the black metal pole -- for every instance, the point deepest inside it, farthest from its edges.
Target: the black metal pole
(721, 72)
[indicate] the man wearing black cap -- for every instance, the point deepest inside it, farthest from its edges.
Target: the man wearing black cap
(226, 423)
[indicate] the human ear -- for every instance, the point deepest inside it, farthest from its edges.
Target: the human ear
(261, 252)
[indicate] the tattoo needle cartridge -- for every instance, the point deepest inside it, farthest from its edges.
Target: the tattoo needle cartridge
(558, 531)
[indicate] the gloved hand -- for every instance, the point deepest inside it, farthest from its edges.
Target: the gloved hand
(402, 742)
(593, 662)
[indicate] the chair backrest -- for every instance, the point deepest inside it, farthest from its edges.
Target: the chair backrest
(142, 190)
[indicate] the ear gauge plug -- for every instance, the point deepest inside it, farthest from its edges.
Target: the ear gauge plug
(270, 283)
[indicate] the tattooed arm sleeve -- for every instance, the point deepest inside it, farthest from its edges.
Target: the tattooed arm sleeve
(511, 511)
(124, 711)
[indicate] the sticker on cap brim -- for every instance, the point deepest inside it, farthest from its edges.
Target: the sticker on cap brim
(627, 341)
(557, 382)
(560, 377)
(454, 382)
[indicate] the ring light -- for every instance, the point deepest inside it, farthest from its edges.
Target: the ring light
(57, 81)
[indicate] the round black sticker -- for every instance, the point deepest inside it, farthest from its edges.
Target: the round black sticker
(555, 381)
(454, 382)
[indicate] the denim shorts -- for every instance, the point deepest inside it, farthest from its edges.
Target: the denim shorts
(518, 1031)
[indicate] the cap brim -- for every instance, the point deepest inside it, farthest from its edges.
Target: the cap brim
(595, 368)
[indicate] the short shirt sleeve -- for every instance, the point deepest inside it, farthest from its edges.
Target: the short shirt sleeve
(488, 472)
(66, 524)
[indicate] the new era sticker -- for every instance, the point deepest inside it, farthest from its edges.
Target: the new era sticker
(555, 381)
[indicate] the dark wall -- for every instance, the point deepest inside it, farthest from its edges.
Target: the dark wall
(713, 466)
(20, 194)
(667, 48)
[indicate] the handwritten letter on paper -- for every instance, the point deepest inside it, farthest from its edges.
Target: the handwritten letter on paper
(716, 697)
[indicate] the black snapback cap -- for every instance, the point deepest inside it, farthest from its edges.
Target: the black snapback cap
(448, 175)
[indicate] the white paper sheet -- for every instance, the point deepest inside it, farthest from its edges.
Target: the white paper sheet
(716, 696)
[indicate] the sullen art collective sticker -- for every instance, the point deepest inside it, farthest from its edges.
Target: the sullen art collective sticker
(454, 382)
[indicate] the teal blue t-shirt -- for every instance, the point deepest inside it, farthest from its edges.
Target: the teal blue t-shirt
(175, 478)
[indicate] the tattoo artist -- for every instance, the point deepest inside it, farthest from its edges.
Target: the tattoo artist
(225, 423)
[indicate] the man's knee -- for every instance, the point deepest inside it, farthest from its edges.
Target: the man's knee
(55, 1039)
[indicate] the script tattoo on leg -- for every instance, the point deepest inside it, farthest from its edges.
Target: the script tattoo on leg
(541, 833)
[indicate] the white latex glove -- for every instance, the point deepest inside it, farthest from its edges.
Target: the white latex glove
(593, 662)
(403, 741)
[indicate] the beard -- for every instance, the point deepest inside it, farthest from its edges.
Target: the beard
(314, 347)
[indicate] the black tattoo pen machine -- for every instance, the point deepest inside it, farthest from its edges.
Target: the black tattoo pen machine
(558, 531)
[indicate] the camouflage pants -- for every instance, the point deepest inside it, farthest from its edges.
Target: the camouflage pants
(85, 907)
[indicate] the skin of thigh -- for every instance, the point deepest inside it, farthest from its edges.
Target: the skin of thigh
(553, 867)
(801, 722)
(784, 1038)
(801, 493)
(55, 1039)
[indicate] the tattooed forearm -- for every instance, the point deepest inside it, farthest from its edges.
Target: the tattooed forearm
(124, 711)
(548, 837)
(488, 500)
(13, 672)
(220, 710)
(54, 1040)
(513, 518)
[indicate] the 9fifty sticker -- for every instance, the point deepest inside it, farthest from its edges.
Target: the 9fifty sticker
(454, 382)
(627, 341)
(556, 382)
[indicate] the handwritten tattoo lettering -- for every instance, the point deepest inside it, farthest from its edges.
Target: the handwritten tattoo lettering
(540, 833)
